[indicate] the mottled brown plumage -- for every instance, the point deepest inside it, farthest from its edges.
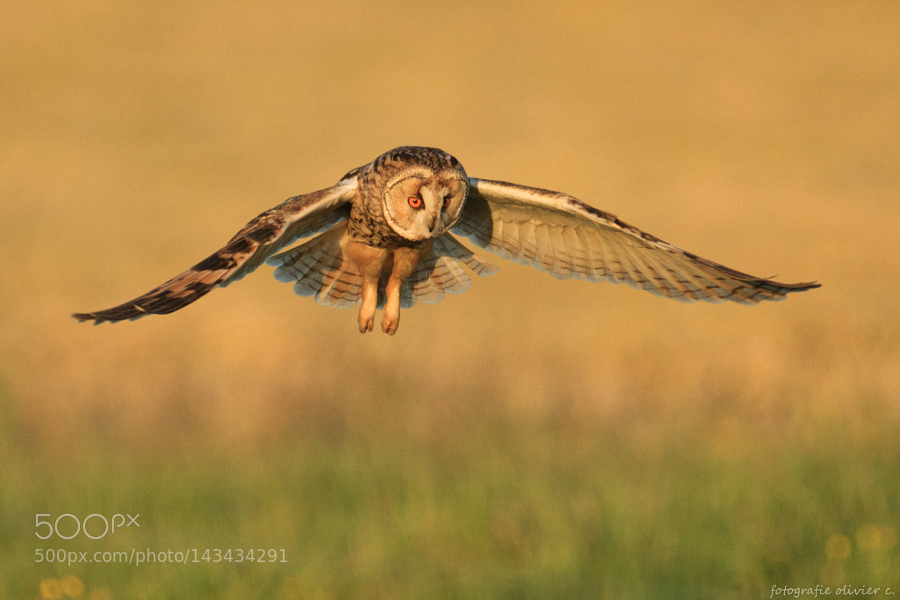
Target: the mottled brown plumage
(385, 241)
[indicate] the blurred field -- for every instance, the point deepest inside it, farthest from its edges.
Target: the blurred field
(528, 439)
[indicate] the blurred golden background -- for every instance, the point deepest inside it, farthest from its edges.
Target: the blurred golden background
(530, 438)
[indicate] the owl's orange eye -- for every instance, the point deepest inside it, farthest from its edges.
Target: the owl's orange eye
(415, 202)
(446, 202)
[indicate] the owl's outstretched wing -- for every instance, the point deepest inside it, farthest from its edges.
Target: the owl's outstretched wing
(296, 217)
(565, 237)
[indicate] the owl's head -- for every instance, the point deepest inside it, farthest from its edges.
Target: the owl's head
(424, 197)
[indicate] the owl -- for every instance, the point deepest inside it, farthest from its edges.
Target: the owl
(384, 237)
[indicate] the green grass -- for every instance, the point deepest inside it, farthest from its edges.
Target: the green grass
(552, 508)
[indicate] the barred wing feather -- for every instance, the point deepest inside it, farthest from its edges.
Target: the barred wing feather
(317, 268)
(297, 217)
(566, 237)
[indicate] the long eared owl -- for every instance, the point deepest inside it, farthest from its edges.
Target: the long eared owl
(383, 237)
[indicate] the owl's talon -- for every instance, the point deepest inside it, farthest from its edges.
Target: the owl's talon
(389, 325)
(366, 323)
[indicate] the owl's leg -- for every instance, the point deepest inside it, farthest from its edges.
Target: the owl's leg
(369, 261)
(366, 318)
(406, 259)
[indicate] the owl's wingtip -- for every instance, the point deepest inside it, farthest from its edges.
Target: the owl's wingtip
(802, 287)
(87, 317)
